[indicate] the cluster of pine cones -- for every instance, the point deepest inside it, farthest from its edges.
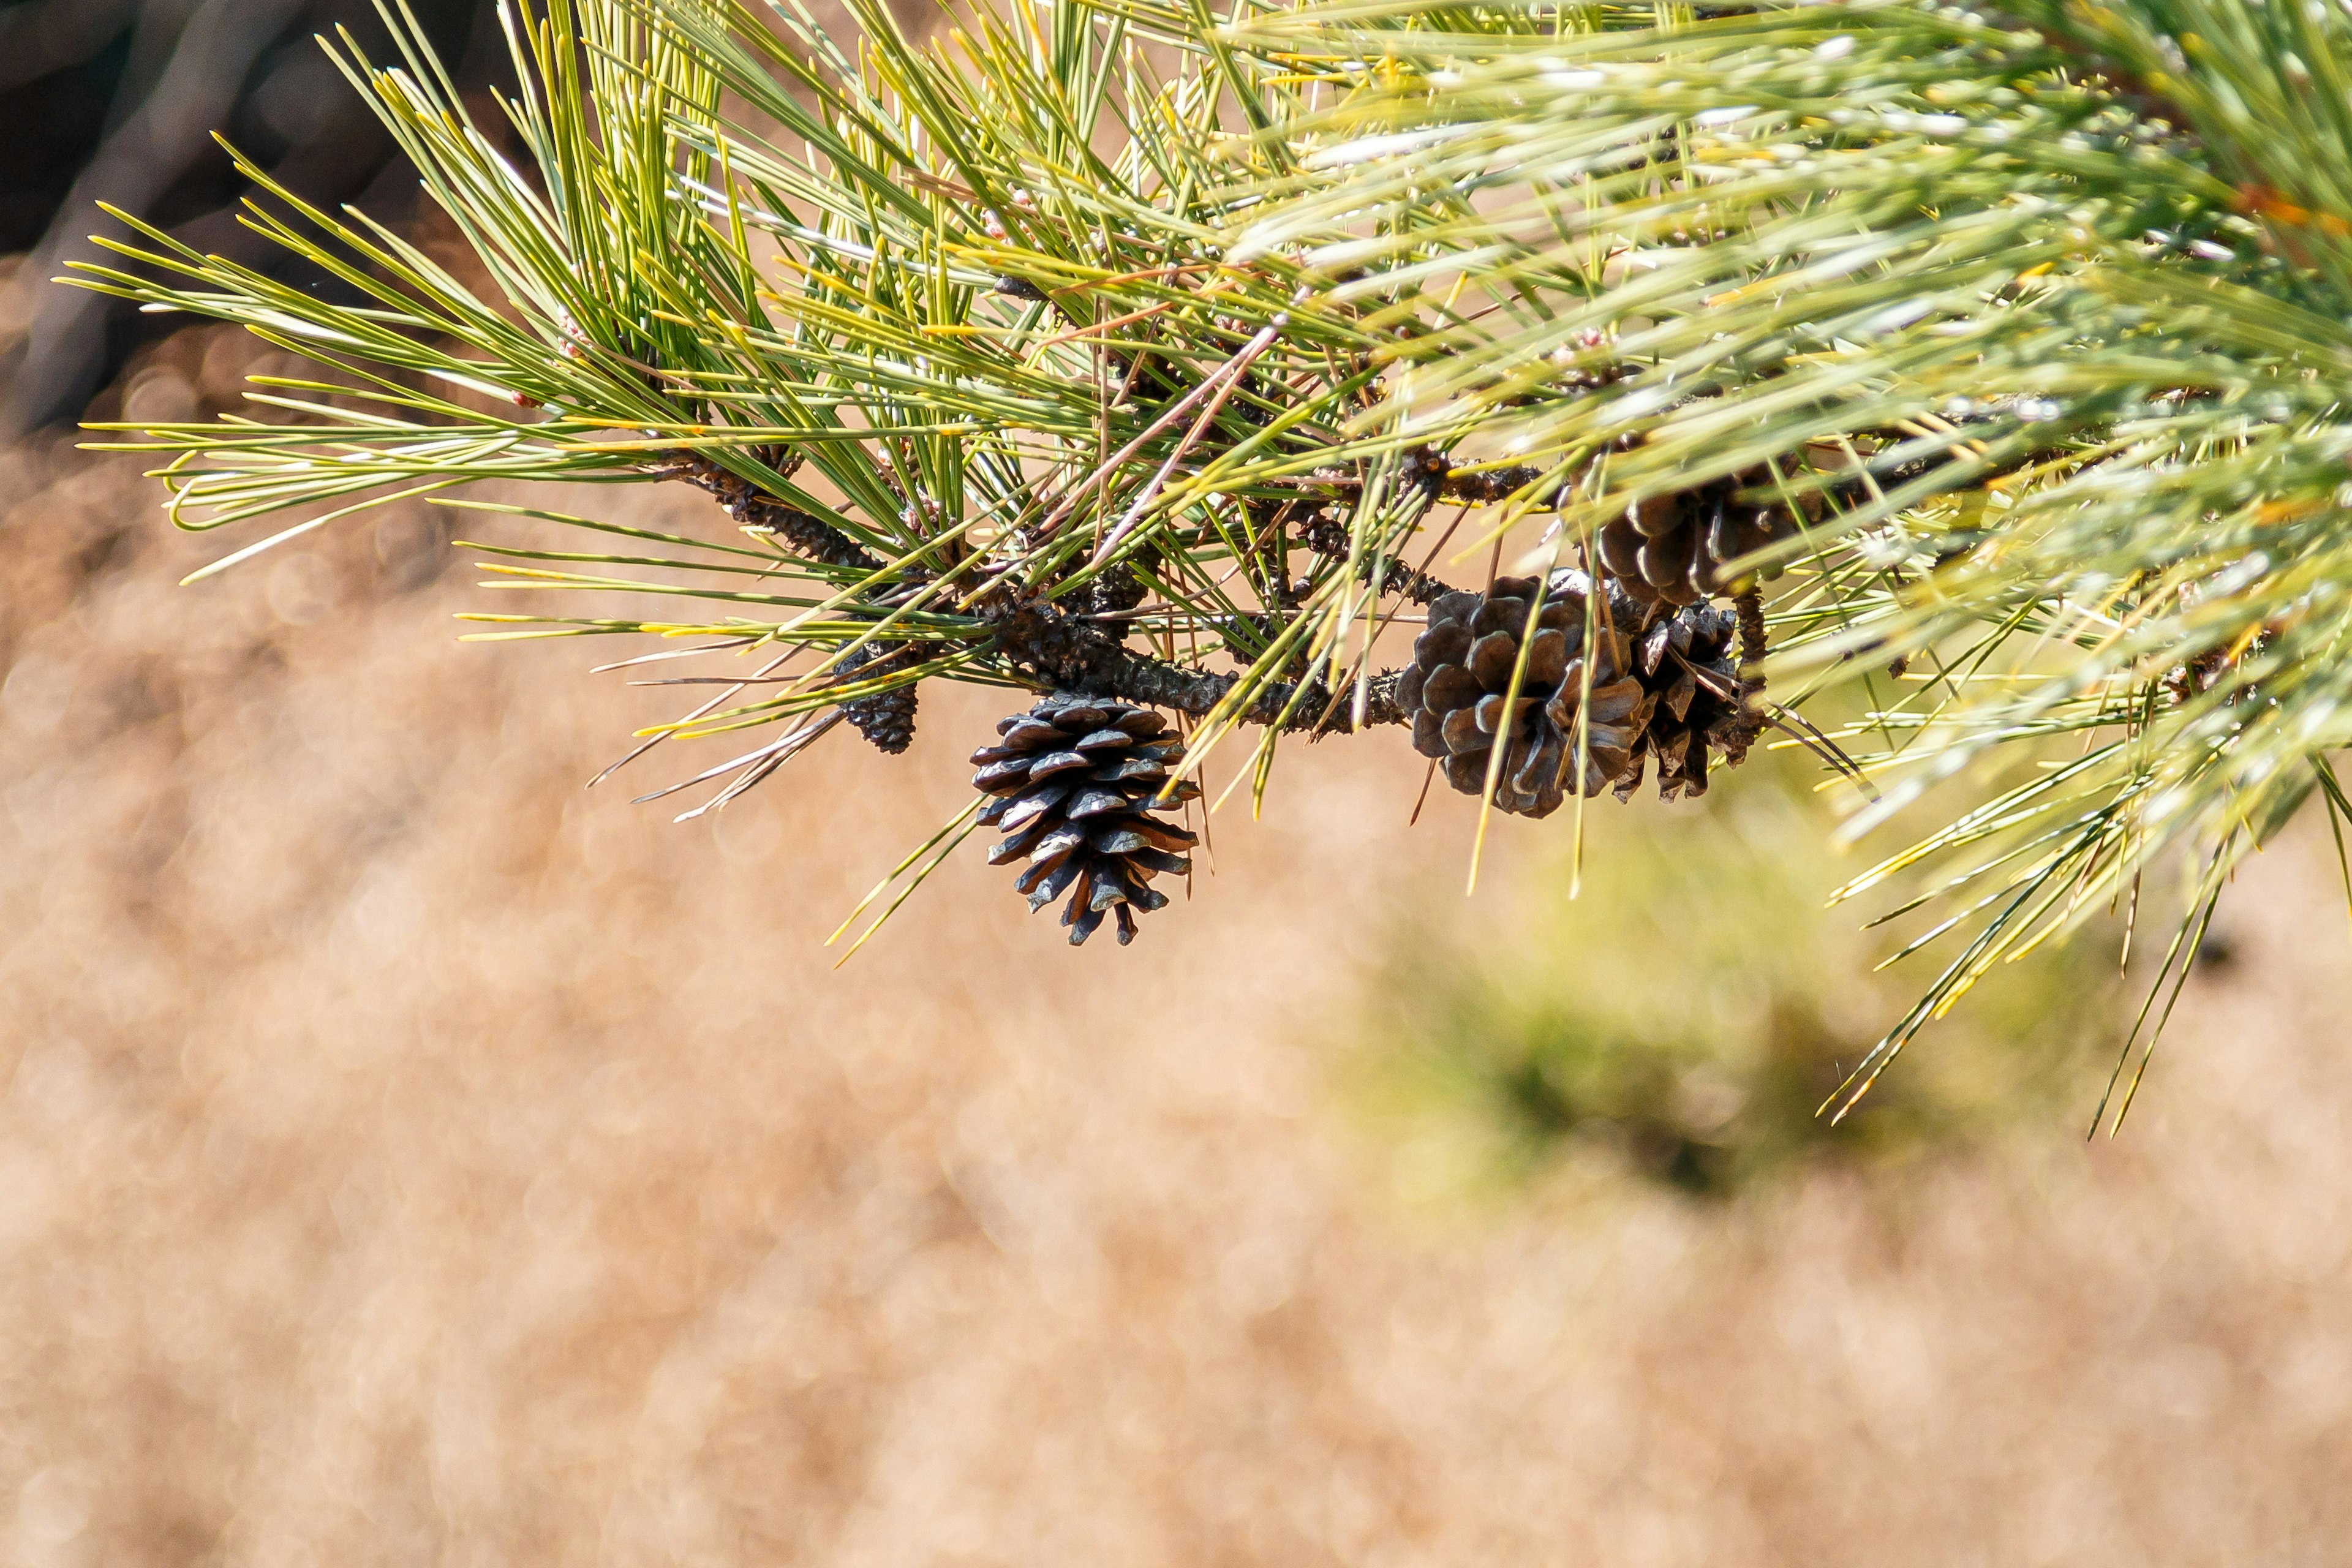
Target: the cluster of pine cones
(1507, 685)
(1508, 688)
(1528, 691)
(1525, 694)
(1513, 685)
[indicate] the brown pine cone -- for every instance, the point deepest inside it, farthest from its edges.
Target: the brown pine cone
(1121, 587)
(1456, 690)
(1687, 662)
(1673, 548)
(887, 719)
(1076, 780)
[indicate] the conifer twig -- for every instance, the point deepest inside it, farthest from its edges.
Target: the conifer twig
(754, 508)
(1071, 655)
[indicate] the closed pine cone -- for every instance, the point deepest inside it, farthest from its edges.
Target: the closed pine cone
(887, 719)
(1075, 780)
(1121, 587)
(1456, 690)
(1686, 660)
(1672, 547)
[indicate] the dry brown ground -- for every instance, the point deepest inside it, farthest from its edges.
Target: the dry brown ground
(405, 1156)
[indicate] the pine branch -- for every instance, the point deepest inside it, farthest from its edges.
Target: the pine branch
(1329, 538)
(752, 508)
(1064, 653)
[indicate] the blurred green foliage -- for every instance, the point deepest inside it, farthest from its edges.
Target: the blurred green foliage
(1683, 1018)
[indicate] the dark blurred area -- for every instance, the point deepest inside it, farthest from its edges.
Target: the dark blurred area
(119, 101)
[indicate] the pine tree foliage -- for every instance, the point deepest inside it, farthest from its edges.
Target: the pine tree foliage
(1176, 357)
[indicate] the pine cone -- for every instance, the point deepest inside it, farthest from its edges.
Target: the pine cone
(2185, 683)
(1121, 587)
(1456, 688)
(1686, 661)
(1075, 778)
(1672, 547)
(887, 718)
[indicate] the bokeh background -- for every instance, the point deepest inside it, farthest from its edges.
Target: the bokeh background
(407, 1155)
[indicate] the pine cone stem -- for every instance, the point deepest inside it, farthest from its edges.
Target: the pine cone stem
(1747, 611)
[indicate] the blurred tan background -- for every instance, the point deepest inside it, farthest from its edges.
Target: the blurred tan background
(406, 1155)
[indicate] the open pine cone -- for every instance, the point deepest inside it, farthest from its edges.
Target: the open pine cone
(1075, 780)
(1457, 687)
(1672, 547)
(1686, 662)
